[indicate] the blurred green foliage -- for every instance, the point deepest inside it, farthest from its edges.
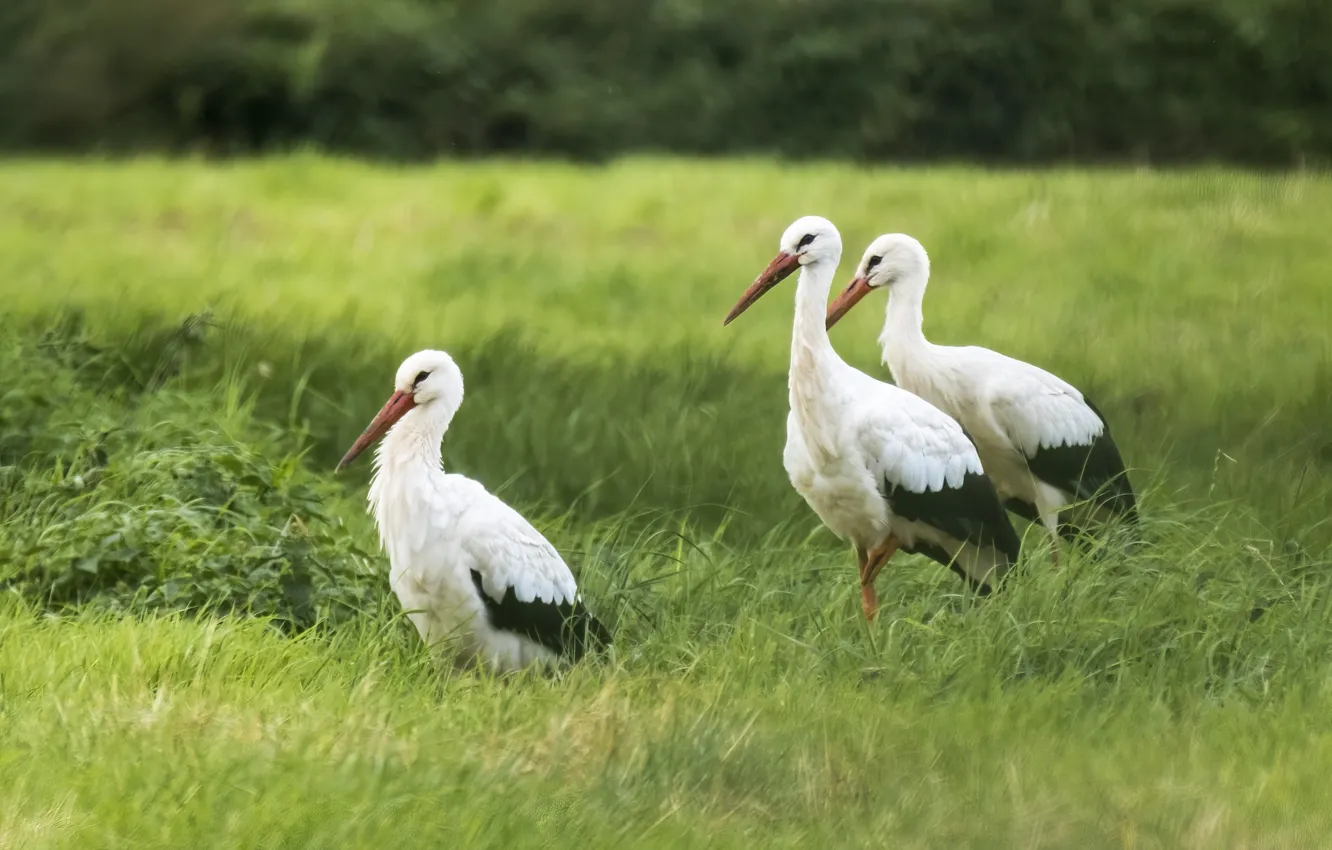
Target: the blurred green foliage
(1086, 80)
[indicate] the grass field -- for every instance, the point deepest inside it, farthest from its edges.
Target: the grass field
(163, 473)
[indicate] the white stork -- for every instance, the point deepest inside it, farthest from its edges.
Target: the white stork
(1044, 444)
(881, 467)
(462, 563)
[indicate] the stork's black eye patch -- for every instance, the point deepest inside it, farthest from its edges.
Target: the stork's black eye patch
(420, 376)
(805, 240)
(873, 261)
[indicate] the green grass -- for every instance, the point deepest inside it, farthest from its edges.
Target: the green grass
(197, 646)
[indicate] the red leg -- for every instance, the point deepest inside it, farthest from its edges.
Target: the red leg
(869, 598)
(869, 602)
(879, 557)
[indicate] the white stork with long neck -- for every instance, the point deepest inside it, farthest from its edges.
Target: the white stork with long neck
(1044, 444)
(881, 467)
(463, 564)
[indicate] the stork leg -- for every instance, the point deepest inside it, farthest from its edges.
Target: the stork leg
(867, 601)
(877, 557)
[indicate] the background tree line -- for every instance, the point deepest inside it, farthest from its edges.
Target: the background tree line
(991, 80)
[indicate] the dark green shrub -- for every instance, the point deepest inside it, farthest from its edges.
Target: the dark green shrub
(1023, 81)
(135, 496)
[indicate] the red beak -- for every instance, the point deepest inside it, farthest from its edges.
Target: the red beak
(778, 270)
(850, 297)
(393, 410)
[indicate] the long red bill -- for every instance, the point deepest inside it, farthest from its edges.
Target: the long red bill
(393, 410)
(850, 297)
(781, 266)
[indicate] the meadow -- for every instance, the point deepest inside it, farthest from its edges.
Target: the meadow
(197, 645)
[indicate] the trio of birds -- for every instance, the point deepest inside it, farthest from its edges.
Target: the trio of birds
(926, 466)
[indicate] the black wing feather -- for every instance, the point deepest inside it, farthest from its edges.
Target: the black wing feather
(1024, 509)
(940, 556)
(1091, 472)
(970, 513)
(567, 629)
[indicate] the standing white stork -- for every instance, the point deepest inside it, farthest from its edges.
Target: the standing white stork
(1044, 444)
(881, 467)
(463, 563)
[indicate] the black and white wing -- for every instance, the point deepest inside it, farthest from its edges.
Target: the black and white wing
(526, 587)
(1062, 435)
(929, 473)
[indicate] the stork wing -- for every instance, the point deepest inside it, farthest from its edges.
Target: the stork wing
(929, 472)
(509, 553)
(1037, 410)
(910, 443)
(1064, 438)
(523, 582)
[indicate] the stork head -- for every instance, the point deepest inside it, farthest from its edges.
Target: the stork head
(429, 380)
(895, 261)
(810, 239)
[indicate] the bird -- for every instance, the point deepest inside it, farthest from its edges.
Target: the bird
(882, 468)
(463, 563)
(1045, 444)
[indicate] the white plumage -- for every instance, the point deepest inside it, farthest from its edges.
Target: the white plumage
(463, 564)
(881, 467)
(1043, 444)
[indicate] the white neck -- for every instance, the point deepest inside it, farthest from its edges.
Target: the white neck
(407, 460)
(415, 438)
(903, 337)
(813, 360)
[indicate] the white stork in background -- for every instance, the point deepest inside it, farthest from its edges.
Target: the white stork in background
(1043, 443)
(462, 563)
(881, 467)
